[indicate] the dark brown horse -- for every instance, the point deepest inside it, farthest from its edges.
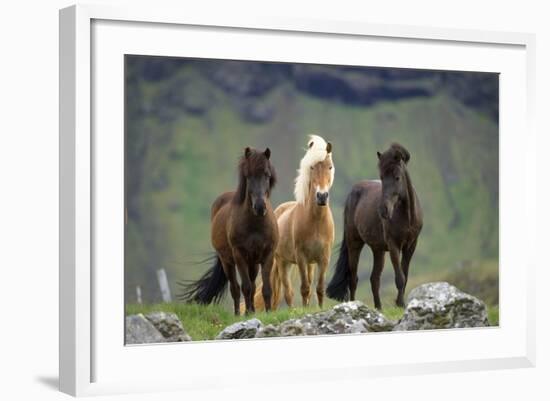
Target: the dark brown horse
(387, 216)
(244, 234)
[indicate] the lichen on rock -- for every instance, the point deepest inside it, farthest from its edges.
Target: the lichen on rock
(244, 329)
(169, 325)
(441, 305)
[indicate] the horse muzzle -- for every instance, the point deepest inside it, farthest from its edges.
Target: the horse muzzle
(322, 198)
(259, 209)
(386, 212)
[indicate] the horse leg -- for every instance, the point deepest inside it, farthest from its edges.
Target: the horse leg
(305, 287)
(253, 270)
(310, 272)
(246, 285)
(323, 267)
(284, 273)
(399, 276)
(276, 283)
(407, 253)
(267, 265)
(354, 251)
(377, 267)
(231, 274)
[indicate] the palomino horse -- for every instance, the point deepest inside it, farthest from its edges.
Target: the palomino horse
(387, 216)
(306, 227)
(244, 234)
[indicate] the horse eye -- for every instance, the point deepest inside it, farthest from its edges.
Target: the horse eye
(330, 168)
(397, 178)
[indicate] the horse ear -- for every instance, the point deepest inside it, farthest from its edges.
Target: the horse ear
(267, 153)
(378, 154)
(247, 152)
(329, 147)
(406, 156)
(401, 153)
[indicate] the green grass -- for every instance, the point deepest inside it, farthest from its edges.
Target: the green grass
(393, 312)
(205, 322)
(493, 313)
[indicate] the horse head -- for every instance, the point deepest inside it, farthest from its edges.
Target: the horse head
(316, 172)
(321, 177)
(256, 179)
(393, 174)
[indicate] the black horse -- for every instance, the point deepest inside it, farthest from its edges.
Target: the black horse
(387, 216)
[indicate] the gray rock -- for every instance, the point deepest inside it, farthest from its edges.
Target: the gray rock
(245, 329)
(442, 306)
(296, 327)
(169, 325)
(269, 331)
(346, 318)
(358, 326)
(139, 330)
(374, 320)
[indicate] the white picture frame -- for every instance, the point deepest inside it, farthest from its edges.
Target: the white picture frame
(91, 360)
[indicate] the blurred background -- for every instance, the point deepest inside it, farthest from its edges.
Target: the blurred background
(188, 121)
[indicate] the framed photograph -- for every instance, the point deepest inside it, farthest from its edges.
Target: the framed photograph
(278, 187)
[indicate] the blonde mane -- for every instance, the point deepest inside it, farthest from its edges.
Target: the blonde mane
(316, 152)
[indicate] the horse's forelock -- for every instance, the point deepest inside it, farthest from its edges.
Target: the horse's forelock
(257, 163)
(401, 152)
(387, 163)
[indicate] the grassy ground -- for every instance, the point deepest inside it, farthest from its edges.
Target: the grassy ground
(205, 322)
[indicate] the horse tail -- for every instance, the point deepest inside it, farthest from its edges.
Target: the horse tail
(338, 287)
(210, 288)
